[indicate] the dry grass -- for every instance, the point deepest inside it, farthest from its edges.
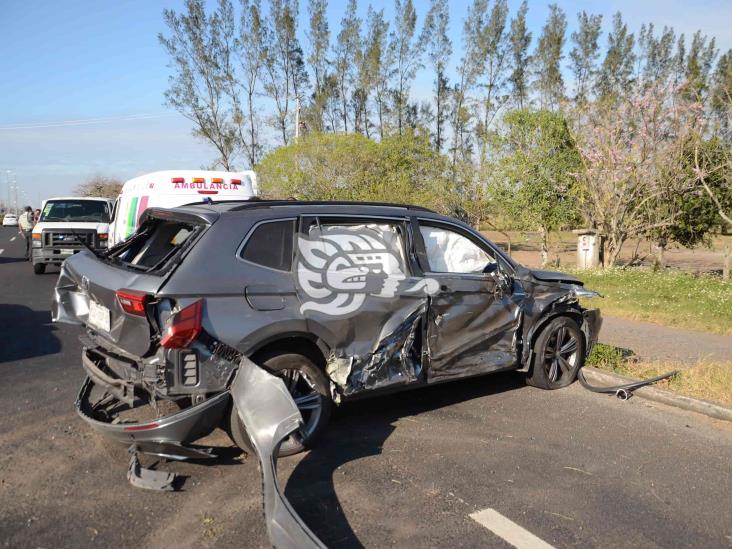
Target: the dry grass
(706, 379)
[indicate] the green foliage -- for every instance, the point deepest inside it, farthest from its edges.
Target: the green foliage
(532, 181)
(352, 167)
(672, 298)
(606, 357)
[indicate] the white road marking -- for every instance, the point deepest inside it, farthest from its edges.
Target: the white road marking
(508, 530)
(13, 238)
(1, 251)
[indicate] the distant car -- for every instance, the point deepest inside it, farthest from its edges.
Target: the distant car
(338, 299)
(10, 220)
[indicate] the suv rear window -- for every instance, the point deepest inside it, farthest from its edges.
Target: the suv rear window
(270, 245)
(155, 243)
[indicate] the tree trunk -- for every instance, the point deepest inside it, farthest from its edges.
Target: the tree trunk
(660, 263)
(727, 259)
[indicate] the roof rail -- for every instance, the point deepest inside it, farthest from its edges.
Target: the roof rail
(260, 203)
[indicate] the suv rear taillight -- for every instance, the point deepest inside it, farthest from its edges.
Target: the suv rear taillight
(184, 327)
(132, 302)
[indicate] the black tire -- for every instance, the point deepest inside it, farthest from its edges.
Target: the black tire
(39, 268)
(309, 382)
(555, 366)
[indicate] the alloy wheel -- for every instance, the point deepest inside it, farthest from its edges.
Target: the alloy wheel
(560, 355)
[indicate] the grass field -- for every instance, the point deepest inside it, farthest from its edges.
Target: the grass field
(707, 380)
(670, 298)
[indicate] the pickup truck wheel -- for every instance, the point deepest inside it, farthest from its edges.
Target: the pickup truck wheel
(39, 268)
(310, 391)
(559, 353)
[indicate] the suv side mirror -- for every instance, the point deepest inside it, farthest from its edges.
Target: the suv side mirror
(490, 268)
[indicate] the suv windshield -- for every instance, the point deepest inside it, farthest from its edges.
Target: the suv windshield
(76, 210)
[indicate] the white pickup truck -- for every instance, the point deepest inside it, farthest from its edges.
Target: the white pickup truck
(68, 225)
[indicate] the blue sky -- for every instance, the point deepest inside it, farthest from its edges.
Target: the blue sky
(85, 60)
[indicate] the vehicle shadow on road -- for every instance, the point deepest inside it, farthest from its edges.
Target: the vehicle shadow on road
(26, 333)
(5, 259)
(359, 430)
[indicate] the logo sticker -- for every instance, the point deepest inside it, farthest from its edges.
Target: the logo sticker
(339, 267)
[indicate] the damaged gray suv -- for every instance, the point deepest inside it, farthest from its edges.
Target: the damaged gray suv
(340, 300)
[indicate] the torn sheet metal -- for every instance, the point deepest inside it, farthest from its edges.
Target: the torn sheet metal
(270, 415)
(394, 359)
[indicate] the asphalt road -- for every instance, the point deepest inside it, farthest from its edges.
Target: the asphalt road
(571, 467)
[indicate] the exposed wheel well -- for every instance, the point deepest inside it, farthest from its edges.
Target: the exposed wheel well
(541, 324)
(293, 344)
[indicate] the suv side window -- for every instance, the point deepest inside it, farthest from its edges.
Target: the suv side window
(270, 245)
(374, 246)
(449, 251)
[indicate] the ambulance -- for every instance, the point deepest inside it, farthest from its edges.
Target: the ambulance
(173, 188)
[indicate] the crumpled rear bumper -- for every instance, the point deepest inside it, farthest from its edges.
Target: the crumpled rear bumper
(179, 428)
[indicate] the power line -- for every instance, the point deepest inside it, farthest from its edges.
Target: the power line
(83, 122)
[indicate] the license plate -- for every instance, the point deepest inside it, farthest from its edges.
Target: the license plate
(99, 316)
(67, 251)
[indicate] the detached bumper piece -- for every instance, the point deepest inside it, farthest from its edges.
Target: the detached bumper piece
(98, 408)
(270, 416)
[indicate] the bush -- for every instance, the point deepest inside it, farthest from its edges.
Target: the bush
(352, 167)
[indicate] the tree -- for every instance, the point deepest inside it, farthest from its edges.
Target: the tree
(250, 51)
(284, 67)
(439, 49)
(319, 39)
(403, 169)
(656, 58)
(616, 74)
(632, 162)
(721, 96)
(381, 59)
(470, 65)
(100, 185)
(407, 54)
(532, 180)
(699, 64)
(347, 46)
(548, 56)
(584, 54)
(520, 39)
(200, 58)
(494, 51)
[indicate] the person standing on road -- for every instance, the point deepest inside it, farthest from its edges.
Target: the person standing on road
(25, 227)
(36, 216)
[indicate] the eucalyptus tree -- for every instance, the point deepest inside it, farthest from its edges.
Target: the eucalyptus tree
(250, 52)
(407, 55)
(439, 49)
(656, 55)
(284, 68)
(520, 40)
(548, 58)
(461, 114)
(347, 45)
(721, 96)
(201, 60)
(615, 78)
(319, 40)
(382, 62)
(699, 65)
(495, 49)
(585, 53)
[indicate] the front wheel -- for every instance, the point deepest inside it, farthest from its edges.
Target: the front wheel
(39, 268)
(310, 391)
(559, 353)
